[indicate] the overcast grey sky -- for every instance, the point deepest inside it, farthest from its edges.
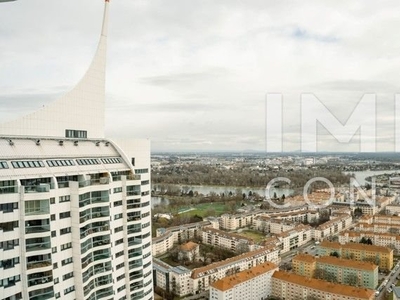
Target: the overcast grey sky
(193, 75)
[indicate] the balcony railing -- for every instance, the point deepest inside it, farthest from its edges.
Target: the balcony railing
(38, 246)
(95, 229)
(37, 229)
(40, 188)
(36, 279)
(9, 189)
(102, 180)
(42, 294)
(38, 262)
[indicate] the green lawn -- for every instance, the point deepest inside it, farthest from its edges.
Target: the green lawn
(252, 234)
(204, 209)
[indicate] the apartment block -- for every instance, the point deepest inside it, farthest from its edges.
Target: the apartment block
(254, 283)
(346, 271)
(379, 239)
(290, 286)
(381, 256)
(230, 241)
(294, 238)
(332, 227)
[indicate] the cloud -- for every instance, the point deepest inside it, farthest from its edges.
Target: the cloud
(185, 72)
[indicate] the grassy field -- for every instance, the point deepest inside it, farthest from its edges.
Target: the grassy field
(202, 209)
(252, 234)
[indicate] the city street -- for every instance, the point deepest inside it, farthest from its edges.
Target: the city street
(390, 279)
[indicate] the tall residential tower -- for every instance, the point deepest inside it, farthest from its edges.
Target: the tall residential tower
(75, 217)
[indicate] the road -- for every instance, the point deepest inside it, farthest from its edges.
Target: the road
(391, 279)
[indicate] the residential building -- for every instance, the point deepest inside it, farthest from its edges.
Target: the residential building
(382, 256)
(393, 209)
(189, 251)
(227, 240)
(290, 286)
(390, 240)
(197, 280)
(167, 237)
(332, 227)
(74, 206)
(202, 277)
(254, 283)
(346, 271)
(295, 237)
(236, 221)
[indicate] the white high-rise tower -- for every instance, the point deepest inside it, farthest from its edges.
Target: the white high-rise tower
(75, 218)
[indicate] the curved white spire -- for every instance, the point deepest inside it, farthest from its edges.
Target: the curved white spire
(83, 108)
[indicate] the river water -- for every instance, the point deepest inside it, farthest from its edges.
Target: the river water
(205, 190)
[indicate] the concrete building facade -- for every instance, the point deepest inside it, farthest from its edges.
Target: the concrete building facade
(74, 206)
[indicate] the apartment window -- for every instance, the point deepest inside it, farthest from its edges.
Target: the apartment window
(120, 277)
(118, 229)
(144, 182)
(57, 295)
(66, 261)
(71, 133)
(114, 160)
(55, 266)
(66, 246)
(9, 263)
(141, 171)
(56, 280)
(27, 164)
(145, 215)
(68, 276)
(120, 241)
(8, 207)
(66, 198)
(53, 217)
(65, 230)
(146, 225)
(133, 161)
(52, 200)
(64, 215)
(118, 203)
(121, 288)
(88, 161)
(117, 190)
(118, 254)
(8, 226)
(119, 266)
(10, 281)
(53, 233)
(69, 290)
(54, 250)
(60, 163)
(3, 165)
(118, 216)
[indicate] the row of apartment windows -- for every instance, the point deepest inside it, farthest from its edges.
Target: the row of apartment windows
(60, 162)
(27, 164)
(88, 161)
(115, 160)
